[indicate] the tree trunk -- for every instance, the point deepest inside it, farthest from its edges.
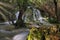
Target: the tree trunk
(57, 16)
(20, 22)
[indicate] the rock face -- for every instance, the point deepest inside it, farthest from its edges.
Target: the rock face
(21, 36)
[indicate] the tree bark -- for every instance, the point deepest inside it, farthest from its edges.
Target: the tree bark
(20, 23)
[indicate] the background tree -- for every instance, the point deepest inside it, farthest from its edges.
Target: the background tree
(22, 5)
(7, 9)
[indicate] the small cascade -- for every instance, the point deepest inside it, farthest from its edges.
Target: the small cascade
(35, 16)
(17, 14)
(38, 17)
(10, 22)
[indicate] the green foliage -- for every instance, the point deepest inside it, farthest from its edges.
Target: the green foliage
(22, 3)
(44, 33)
(38, 3)
(34, 34)
(8, 9)
(52, 20)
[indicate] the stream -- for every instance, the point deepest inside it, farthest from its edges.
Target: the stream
(22, 35)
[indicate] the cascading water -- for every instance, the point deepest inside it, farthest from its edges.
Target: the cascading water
(38, 17)
(17, 14)
(35, 16)
(10, 22)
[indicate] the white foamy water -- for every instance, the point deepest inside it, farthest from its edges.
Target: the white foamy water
(36, 17)
(17, 14)
(10, 22)
(21, 36)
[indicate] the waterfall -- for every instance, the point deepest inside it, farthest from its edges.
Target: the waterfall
(10, 22)
(38, 17)
(35, 16)
(17, 14)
